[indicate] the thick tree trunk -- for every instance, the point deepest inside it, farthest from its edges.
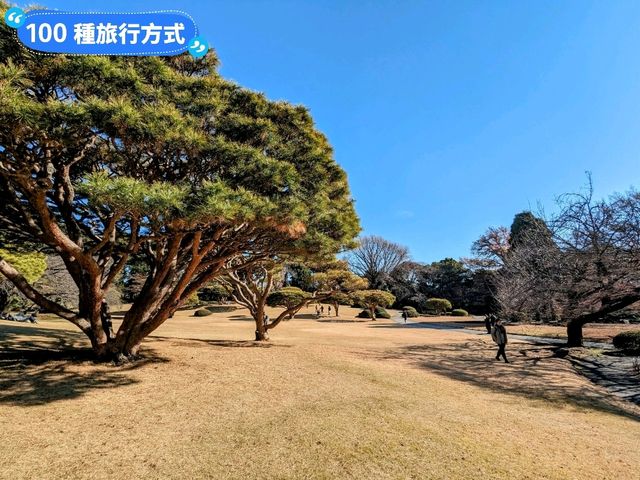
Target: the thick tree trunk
(262, 334)
(112, 351)
(124, 347)
(91, 305)
(94, 319)
(574, 333)
(372, 312)
(130, 350)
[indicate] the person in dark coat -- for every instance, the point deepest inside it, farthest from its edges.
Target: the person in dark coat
(499, 336)
(488, 322)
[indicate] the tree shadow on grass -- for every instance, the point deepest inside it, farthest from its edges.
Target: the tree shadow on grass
(243, 318)
(248, 318)
(615, 374)
(534, 373)
(342, 320)
(305, 316)
(221, 343)
(41, 365)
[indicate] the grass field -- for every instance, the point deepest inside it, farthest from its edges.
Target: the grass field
(329, 398)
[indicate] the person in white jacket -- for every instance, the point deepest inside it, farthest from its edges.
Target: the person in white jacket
(499, 335)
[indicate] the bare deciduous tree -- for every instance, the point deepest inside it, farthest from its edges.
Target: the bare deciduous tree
(585, 266)
(375, 258)
(600, 267)
(491, 248)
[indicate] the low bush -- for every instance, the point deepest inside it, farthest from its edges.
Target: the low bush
(202, 312)
(380, 313)
(221, 308)
(628, 342)
(459, 312)
(411, 312)
(437, 306)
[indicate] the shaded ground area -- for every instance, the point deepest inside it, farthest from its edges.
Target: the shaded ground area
(598, 362)
(616, 373)
(41, 365)
(324, 399)
(534, 372)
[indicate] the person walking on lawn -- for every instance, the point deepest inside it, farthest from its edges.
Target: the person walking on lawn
(489, 320)
(499, 335)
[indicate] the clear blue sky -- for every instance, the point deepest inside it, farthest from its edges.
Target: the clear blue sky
(449, 116)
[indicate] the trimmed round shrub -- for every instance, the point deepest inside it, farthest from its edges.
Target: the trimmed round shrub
(340, 298)
(380, 313)
(202, 312)
(221, 308)
(437, 306)
(370, 298)
(628, 342)
(411, 312)
(459, 312)
(287, 297)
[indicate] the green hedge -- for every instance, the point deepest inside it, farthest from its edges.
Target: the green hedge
(202, 312)
(221, 308)
(628, 342)
(411, 312)
(380, 313)
(437, 306)
(459, 312)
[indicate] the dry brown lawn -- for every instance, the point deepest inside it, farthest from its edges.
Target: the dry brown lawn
(324, 399)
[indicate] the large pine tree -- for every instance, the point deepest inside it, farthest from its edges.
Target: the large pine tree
(103, 158)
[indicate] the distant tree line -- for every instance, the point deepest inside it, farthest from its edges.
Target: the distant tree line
(388, 266)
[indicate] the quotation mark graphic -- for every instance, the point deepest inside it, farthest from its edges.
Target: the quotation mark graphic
(14, 17)
(198, 47)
